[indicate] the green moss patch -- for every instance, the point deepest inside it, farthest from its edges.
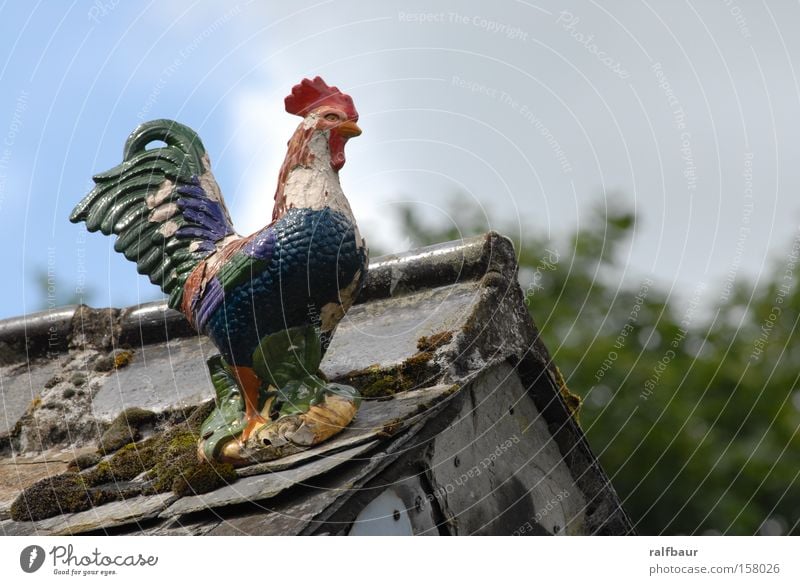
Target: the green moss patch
(55, 495)
(573, 401)
(203, 477)
(84, 461)
(167, 461)
(435, 341)
(375, 382)
(126, 428)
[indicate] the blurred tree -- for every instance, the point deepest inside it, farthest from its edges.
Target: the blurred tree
(694, 417)
(52, 293)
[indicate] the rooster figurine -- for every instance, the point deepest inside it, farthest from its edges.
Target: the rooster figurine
(269, 301)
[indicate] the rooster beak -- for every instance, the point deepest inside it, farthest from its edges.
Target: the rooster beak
(348, 129)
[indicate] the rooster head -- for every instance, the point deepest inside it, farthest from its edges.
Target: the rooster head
(325, 109)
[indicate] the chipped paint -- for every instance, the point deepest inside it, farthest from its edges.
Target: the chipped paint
(164, 191)
(168, 228)
(317, 185)
(163, 212)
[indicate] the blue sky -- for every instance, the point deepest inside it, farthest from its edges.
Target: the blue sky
(529, 112)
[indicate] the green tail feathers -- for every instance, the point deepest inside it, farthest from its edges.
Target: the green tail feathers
(136, 200)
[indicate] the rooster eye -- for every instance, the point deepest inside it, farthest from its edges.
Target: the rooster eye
(332, 117)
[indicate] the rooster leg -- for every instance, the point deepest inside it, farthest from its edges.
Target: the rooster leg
(249, 382)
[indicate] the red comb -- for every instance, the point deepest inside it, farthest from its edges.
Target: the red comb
(309, 95)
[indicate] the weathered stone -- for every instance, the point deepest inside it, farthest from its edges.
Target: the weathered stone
(386, 332)
(308, 512)
(20, 386)
(30, 336)
(94, 328)
(495, 472)
(53, 421)
(11, 528)
(375, 418)
(17, 473)
(450, 316)
(160, 377)
(293, 517)
(5, 509)
(262, 487)
(400, 509)
(106, 516)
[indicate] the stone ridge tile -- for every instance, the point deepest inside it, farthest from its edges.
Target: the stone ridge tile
(261, 487)
(19, 386)
(385, 332)
(372, 421)
(160, 377)
(102, 517)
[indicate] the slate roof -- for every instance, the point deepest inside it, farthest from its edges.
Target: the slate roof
(67, 373)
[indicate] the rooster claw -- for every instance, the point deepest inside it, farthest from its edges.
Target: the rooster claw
(293, 433)
(289, 429)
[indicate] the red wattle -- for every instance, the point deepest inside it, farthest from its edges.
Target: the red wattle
(336, 143)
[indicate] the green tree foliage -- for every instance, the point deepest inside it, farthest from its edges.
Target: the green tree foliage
(691, 400)
(52, 292)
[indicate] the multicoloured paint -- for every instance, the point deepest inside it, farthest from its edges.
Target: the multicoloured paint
(301, 272)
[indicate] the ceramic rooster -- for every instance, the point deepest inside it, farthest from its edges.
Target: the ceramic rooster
(269, 301)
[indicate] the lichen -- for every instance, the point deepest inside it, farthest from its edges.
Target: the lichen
(390, 429)
(122, 358)
(119, 358)
(377, 382)
(435, 341)
(77, 379)
(573, 401)
(53, 381)
(416, 368)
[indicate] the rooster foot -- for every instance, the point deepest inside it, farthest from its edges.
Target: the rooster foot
(224, 432)
(282, 407)
(297, 432)
(304, 414)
